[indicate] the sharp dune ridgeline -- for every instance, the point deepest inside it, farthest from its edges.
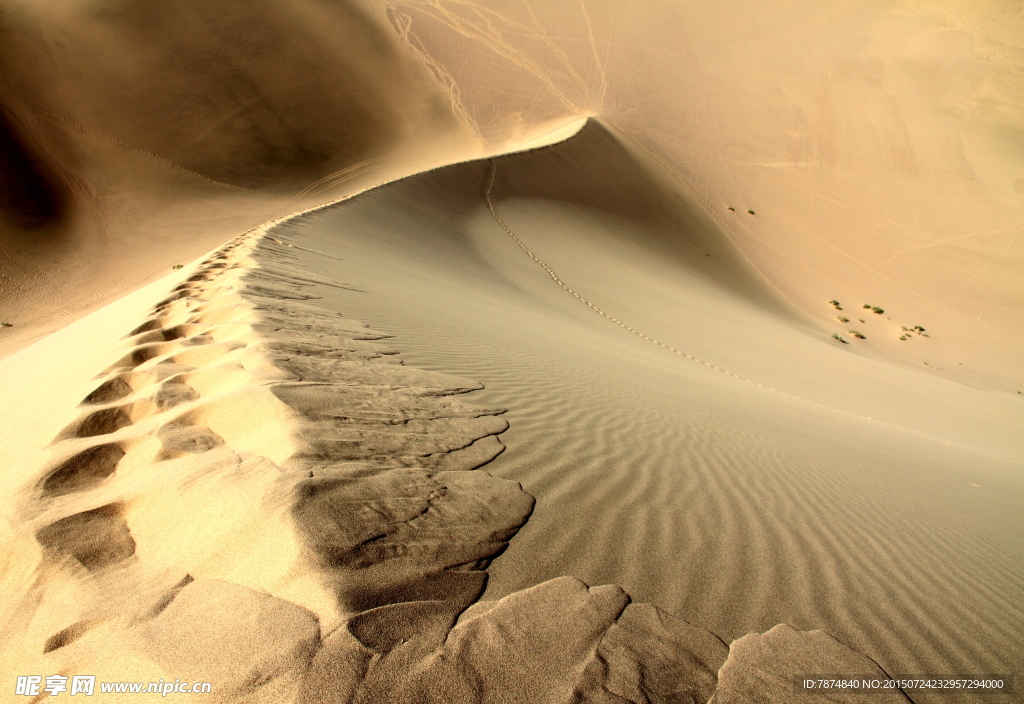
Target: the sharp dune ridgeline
(321, 492)
(420, 352)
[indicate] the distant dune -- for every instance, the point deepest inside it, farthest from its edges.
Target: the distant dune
(508, 352)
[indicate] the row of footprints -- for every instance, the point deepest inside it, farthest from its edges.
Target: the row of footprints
(359, 465)
(139, 413)
(200, 356)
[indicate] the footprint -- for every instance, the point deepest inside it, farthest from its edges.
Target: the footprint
(109, 391)
(98, 538)
(152, 324)
(174, 393)
(109, 420)
(138, 356)
(84, 470)
(180, 438)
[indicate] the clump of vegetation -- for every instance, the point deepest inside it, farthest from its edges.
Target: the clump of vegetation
(836, 336)
(904, 337)
(7, 325)
(862, 320)
(877, 310)
(918, 328)
(835, 304)
(857, 334)
(751, 212)
(732, 209)
(178, 266)
(842, 319)
(867, 306)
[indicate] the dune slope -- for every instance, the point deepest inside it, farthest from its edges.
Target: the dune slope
(258, 496)
(136, 137)
(711, 449)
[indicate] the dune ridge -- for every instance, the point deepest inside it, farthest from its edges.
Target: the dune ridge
(258, 493)
(261, 495)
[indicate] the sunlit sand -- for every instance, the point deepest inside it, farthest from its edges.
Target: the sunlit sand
(457, 352)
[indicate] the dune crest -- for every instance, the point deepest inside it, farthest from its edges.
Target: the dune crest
(260, 495)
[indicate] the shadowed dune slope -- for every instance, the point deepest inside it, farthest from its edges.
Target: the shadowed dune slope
(213, 88)
(136, 136)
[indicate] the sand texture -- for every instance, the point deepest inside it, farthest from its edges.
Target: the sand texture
(441, 351)
(688, 434)
(260, 495)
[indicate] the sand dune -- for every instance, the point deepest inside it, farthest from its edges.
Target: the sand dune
(572, 352)
(356, 469)
(879, 145)
(260, 494)
(135, 139)
(763, 482)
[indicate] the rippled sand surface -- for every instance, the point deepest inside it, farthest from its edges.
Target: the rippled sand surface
(440, 351)
(825, 502)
